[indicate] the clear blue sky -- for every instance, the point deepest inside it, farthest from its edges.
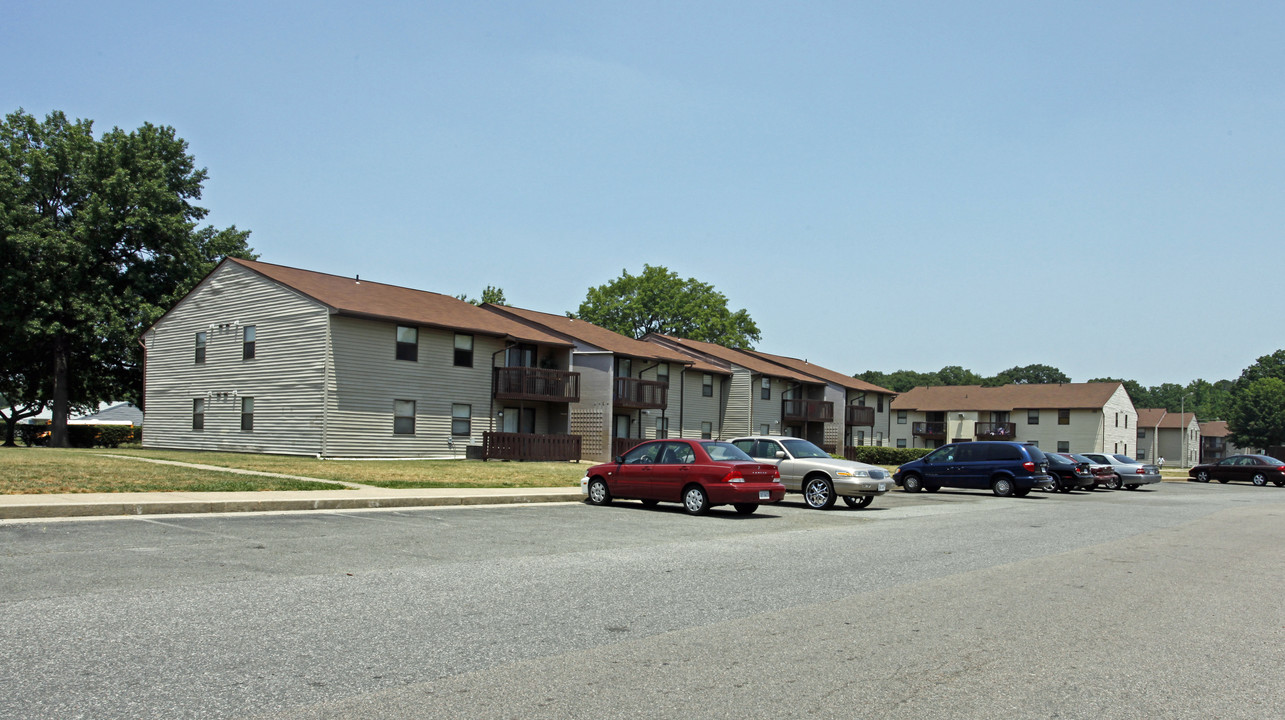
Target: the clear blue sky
(1098, 186)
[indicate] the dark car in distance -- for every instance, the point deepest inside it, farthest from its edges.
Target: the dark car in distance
(700, 474)
(1257, 469)
(1069, 474)
(1005, 468)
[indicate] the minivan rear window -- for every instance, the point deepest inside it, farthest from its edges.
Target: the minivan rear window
(1037, 455)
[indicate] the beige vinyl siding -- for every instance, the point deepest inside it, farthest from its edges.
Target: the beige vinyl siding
(285, 378)
(1125, 437)
(738, 417)
(369, 378)
(695, 408)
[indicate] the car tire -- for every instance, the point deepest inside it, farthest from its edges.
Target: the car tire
(1279, 483)
(598, 492)
(1116, 482)
(1224, 481)
(818, 493)
(932, 488)
(650, 502)
(1021, 492)
(1057, 484)
(745, 508)
(1202, 476)
(1260, 480)
(695, 500)
(912, 484)
(1003, 487)
(856, 503)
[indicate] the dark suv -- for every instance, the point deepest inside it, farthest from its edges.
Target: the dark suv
(1006, 468)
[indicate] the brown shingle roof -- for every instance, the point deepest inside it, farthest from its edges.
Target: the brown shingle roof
(1214, 428)
(1153, 417)
(603, 338)
(837, 378)
(747, 360)
(363, 298)
(1006, 397)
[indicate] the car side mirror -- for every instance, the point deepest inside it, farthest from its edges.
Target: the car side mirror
(780, 454)
(620, 459)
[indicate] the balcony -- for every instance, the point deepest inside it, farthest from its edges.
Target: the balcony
(995, 430)
(646, 394)
(530, 446)
(807, 411)
(528, 383)
(858, 415)
(929, 429)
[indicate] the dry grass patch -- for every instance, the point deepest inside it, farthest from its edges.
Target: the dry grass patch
(46, 470)
(389, 473)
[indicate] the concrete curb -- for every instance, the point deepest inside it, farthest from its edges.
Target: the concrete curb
(16, 507)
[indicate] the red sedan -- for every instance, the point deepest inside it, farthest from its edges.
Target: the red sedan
(697, 473)
(1258, 469)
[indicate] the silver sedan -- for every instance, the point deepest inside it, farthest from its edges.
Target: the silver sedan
(1129, 473)
(806, 468)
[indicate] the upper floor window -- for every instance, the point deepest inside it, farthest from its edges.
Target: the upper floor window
(662, 372)
(1063, 446)
(901, 417)
(200, 347)
(1032, 417)
(407, 343)
(707, 430)
(879, 402)
(861, 400)
(463, 350)
(247, 414)
(1064, 417)
(1126, 421)
(521, 355)
(765, 391)
(624, 367)
(707, 385)
(247, 342)
(198, 413)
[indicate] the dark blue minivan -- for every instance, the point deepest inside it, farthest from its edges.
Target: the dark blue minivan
(1004, 468)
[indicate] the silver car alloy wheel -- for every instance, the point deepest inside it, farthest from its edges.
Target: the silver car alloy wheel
(818, 494)
(1260, 479)
(597, 492)
(694, 500)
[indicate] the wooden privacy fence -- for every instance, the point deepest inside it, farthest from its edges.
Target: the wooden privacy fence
(530, 446)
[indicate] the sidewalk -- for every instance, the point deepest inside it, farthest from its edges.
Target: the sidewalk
(14, 507)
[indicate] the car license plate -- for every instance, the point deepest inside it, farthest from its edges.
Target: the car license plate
(883, 487)
(765, 495)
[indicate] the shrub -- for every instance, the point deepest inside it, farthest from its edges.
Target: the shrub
(878, 455)
(30, 434)
(81, 436)
(113, 435)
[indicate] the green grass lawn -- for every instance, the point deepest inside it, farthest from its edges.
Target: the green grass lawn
(46, 470)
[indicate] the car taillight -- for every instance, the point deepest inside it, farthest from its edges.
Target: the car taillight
(1142, 471)
(776, 472)
(734, 476)
(1028, 466)
(1281, 468)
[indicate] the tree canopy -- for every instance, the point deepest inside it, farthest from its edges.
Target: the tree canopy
(97, 238)
(903, 380)
(659, 301)
(492, 295)
(1256, 418)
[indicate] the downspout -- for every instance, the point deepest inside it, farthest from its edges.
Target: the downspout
(325, 390)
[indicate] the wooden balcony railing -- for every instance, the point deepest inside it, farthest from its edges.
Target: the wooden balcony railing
(636, 393)
(995, 430)
(530, 446)
(807, 410)
(620, 446)
(858, 415)
(929, 429)
(527, 383)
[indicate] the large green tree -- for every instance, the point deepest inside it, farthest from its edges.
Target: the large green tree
(1256, 418)
(97, 238)
(1029, 375)
(658, 301)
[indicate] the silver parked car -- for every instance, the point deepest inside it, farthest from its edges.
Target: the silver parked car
(1129, 473)
(806, 468)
